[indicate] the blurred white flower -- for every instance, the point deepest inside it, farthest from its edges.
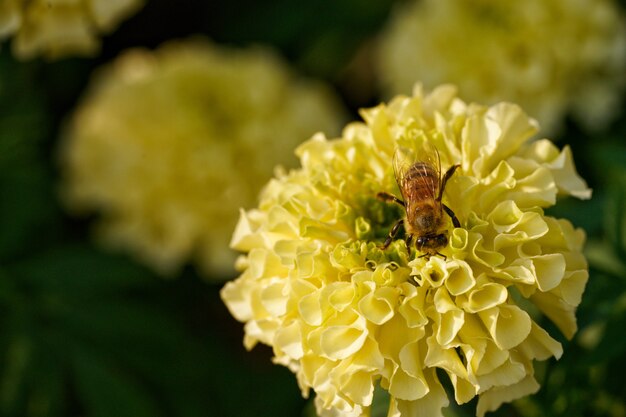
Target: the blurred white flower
(549, 56)
(168, 145)
(57, 28)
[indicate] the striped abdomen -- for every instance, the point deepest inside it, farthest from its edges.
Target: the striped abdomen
(420, 187)
(420, 182)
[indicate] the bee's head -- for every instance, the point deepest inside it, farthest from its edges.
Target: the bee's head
(433, 242)
(441, 240)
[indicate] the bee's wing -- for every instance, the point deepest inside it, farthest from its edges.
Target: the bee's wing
(429, 154)
(403, 160)
(418, 172)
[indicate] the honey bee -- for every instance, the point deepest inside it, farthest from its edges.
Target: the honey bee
(418, 174)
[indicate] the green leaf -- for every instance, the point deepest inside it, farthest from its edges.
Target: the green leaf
(380, 403)
(615, 218)
(77, 298)
(45, 391)
(14, 363)
(609, 159)
(80, 269)
(108, 391)
(320, 46)
(600, 255)
(582, 213)
(613, 343)
(28, 211)
(23, 119)
(137, 334)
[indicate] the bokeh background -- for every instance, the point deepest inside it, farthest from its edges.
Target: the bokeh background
(86, 330)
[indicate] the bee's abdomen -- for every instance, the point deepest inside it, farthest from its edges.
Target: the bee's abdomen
(421, 181)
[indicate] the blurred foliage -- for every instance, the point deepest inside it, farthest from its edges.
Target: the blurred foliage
(89, 333)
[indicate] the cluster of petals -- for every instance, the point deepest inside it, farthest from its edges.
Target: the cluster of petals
(167, 145)
(56, 28)
(347, 316)
(552, 57)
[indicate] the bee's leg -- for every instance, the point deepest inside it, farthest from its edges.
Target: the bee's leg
(407, 242)
(392, 233)
(445, 179)
(388, 197)
(455, 221)
(428, 255)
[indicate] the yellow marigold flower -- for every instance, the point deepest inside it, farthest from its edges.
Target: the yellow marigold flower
(169, 144)
(58, 28)
(346, 315)
(549, 56)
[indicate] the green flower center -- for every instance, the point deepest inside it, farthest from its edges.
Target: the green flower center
(375, 218)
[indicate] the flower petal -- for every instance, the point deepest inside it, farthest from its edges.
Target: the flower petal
(508, 325)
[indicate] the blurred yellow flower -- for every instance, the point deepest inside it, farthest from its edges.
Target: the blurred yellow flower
(57, 28)
(345, 315)
(168, 145)
(549, 56)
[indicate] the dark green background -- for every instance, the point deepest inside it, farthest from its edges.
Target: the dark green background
(89, 333)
